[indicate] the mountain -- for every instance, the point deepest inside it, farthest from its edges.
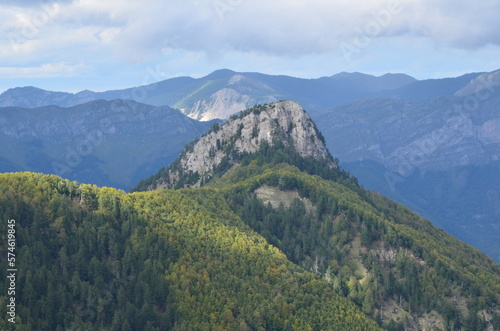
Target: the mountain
(372, 250)
(423, 90)
(485, 83)
(276, 238)
(222, 93)
(284, 123)
(32, 97)
(374, 84)
(111, 143)
(440, 157)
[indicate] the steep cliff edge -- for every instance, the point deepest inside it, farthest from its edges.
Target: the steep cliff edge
(284, 123)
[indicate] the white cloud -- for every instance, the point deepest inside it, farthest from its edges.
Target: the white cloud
(130, 33)
(275, 27)
(460, 24)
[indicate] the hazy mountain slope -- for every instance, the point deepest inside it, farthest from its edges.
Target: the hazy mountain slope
(427, 89)
(481, 85)
(112, 143)
(372, 83)
(94, 258)
(386, 259)
(439, 157)
(160, 93)
(32, 97)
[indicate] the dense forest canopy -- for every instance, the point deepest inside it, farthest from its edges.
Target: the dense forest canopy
(96, 258)
(220, 257)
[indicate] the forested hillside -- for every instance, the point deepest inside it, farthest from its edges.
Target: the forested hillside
(97, 258)
(92, 258)
(396, 266)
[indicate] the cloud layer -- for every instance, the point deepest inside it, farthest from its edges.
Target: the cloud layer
(94, 31)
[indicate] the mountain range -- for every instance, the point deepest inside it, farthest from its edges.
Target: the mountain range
(429, 144)
(261, 229)
(223, 93)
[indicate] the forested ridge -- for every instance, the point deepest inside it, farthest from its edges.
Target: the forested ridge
(396, 266)
(96, 258)
(219, 257)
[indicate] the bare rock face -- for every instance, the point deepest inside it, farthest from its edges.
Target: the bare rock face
(221, 104)
(239, 93)
(283, 121)
(481, 86)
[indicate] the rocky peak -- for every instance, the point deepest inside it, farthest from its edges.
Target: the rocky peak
(284, 122)
(482, 86)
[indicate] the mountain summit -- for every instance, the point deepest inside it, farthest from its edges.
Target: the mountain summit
(283, 124)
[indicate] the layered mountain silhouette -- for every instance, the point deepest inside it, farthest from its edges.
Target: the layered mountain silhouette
(223, 93)
(266, 232)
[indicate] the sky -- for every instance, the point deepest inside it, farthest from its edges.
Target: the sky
(73, 45)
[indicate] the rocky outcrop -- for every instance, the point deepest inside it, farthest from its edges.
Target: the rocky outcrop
(221, 104)
(482, 86)
(283, 121)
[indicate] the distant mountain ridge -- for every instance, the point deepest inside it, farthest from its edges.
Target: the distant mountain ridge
(423, 90)
(33, 97)
(375, 84)
(223, 92)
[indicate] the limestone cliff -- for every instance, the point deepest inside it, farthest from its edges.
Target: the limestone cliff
(284, 122)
